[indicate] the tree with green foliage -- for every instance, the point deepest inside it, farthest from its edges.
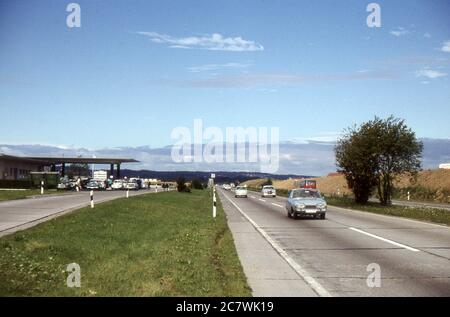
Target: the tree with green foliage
(374, 154)
(196, 184)
(181, 184)
(268, 182)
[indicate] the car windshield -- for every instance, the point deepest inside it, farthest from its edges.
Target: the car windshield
(306, 194)
(268, 187)
(240, 187)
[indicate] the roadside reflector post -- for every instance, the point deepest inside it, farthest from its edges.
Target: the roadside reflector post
(92, 198)
(128, 193)
(213, 176)
(42, 187)
(214, 203)
(408, 195)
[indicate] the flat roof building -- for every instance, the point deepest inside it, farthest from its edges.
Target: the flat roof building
(19, 167)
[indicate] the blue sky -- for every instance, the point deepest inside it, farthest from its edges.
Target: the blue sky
(135, 70)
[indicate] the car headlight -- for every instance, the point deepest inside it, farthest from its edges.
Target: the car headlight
(300, 206)
(321, 205)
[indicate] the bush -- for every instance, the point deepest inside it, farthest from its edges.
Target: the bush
(196, 184)
(181, 184)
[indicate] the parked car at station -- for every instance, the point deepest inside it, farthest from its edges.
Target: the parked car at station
(63, 185)
(240, 191)
(306, 202)
(268, 191)
(94, 185)
(117, 184)
(131, 185)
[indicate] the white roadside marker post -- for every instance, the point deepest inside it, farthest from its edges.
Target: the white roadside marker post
(92, 198)
(408, 196)
(214, 203)
(128, 193)
(42, 187)
(214, 196)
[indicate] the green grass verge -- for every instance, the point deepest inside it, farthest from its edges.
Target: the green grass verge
(419, 213)
(164, 244)
(20, 194)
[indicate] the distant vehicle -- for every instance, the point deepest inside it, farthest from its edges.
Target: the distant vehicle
(308, 183)
(226, 186)
(72, 184)
(93, 185)
(101, 184)
(132, 184)
(240, 191)
(309, 202)
(138, 181)
(268, 191)
(117, 184)
(144, 185)
(63, 185)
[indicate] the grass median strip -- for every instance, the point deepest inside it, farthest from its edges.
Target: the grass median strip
(164, 244)
(440, 216)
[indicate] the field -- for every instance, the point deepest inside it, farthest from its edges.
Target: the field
(430, 185)
(164, 244)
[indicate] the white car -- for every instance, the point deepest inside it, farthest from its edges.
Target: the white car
(117, 184)
(133, 185)
(240, 191)
(226, 186)
(268, 191)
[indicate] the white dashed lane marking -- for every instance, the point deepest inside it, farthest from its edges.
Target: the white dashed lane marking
(385, 240)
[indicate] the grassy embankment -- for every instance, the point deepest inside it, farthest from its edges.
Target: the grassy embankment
(164, 244)
(20, 194)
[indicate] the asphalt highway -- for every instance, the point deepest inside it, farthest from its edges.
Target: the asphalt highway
(339, 256)
(20, 214)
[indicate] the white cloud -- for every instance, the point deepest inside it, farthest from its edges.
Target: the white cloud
(326, 137)
(429, 73)
(213, 42)
(251, 80)
(209, 67)
(427, 35)
(399, 32)
(446, 47)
